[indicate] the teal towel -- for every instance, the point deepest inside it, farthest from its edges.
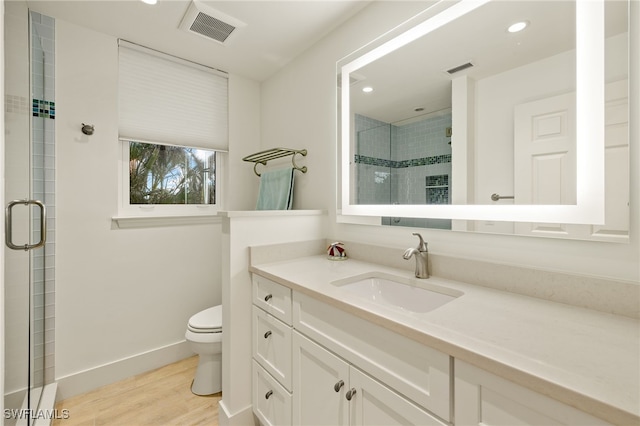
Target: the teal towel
(276, 190)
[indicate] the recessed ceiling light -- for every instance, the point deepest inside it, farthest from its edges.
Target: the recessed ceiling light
(518, 26)
(150, 1)
(367, 89)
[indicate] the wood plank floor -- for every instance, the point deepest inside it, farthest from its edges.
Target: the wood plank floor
(159, 397)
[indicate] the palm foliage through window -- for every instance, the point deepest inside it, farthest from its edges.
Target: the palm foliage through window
(164, 174)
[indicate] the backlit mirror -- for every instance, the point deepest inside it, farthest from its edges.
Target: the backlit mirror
(467, 120)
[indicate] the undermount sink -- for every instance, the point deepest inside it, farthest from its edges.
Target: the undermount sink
(398, 292)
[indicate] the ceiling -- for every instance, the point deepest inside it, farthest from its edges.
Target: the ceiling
(274, 33)
(412, 81)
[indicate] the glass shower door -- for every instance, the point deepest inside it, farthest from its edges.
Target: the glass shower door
(25, 220)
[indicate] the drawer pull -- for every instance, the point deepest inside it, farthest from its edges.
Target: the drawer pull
(351, 393)
(268, 297)
(267, 334)
(338, 386)
(268, 394)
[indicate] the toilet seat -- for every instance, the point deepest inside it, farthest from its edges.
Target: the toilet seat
(207, 321)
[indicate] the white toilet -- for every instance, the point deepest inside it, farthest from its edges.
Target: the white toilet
(204, 334)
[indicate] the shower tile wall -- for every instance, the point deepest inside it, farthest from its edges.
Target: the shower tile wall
(373, 161)
(421, 149)
(43, 169)
(396, 163)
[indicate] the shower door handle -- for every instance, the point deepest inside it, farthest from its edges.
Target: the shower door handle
(8, 219)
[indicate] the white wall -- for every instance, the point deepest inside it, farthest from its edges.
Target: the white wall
(299, 109)
(242, 230)
(299, 102)
(124, 293)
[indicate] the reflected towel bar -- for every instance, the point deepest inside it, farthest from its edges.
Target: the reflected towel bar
(263, 157)
(496, 197)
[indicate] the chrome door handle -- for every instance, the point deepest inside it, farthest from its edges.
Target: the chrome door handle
(8, 220)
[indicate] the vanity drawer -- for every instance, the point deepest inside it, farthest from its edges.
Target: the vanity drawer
(272, 345)
(272, 297)
(418, 372)
(271, 402)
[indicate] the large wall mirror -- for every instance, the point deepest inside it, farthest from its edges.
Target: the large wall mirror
(461, 122)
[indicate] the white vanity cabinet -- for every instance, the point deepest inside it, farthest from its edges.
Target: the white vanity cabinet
(316, 364)
(271, 349)
(330, 391)
(485, 399)
(383, 363)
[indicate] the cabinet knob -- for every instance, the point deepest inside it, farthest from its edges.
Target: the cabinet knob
(338, 386)
(268, 394)
(267, 297)
(350, 393)
(267, 334)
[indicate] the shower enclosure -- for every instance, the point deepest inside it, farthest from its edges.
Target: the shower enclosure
(29, 217)
(405, 163)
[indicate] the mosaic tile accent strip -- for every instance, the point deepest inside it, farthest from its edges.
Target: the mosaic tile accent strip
(414, 162)
(44, 109)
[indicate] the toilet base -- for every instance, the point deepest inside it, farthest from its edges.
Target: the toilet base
(208, 379)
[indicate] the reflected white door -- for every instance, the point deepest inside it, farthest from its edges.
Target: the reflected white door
(545, 163)
(545, 157)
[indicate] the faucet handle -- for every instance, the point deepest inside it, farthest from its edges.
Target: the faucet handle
(422, 246)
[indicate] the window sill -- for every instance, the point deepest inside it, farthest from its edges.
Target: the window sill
(131, 222)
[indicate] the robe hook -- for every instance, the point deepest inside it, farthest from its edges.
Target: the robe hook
(88, 129)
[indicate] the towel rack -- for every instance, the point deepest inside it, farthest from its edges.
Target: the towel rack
(263, 157)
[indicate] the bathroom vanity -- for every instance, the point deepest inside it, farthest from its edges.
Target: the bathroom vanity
(325, 351)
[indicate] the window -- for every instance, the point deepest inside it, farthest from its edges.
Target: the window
(164, 174)
(174, 134)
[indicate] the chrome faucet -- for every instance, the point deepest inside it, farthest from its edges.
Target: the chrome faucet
(422, 257)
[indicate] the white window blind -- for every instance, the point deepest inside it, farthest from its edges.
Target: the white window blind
(165, 100)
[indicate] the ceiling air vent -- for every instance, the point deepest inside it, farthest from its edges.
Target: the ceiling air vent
(459, 68)
(210, 23)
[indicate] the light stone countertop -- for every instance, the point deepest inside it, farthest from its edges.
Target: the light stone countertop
(581, 357)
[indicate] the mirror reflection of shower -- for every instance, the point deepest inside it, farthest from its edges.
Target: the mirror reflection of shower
(406, 162)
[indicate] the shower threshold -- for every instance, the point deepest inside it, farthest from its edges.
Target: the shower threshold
(46, 412)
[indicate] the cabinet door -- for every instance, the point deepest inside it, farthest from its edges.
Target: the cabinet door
(272, 346)
(272, 297)
(482, 398)
(320, 381)
(375, 404)
(414, 370)
(271, 402)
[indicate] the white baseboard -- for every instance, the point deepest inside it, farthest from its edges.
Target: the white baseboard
(243, 417)
(93, 378)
